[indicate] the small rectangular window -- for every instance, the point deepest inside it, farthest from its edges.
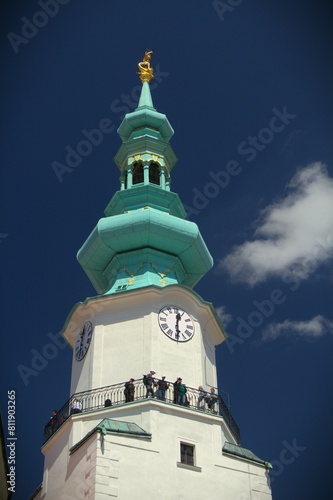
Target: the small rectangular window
(121, 287)
(186, 454)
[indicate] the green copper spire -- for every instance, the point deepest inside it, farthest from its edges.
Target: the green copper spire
(145, 97)
(144, 239)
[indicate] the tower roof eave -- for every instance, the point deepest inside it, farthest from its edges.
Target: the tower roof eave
(82, 311)
(143, 196)
(142, 229)
(145, 115)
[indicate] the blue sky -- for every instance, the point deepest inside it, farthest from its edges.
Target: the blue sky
(247, 87)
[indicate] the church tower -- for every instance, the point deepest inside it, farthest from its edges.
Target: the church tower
(144, 258)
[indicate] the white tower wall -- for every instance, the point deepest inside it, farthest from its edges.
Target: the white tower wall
(128, 342)
(130, 467)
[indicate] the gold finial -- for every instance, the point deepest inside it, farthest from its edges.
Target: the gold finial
(146, 71)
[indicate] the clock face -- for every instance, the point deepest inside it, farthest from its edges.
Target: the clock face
(176, 323)
(83, 341)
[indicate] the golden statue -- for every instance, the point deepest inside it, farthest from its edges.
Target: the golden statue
(146, 71)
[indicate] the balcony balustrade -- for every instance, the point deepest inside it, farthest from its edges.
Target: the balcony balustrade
(113, 395)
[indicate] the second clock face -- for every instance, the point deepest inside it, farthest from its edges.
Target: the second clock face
(83, 341)
(176, 323)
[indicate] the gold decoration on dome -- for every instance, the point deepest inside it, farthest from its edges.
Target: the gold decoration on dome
(132, 274)
(138, 158)
(146, 71)
(156, 160)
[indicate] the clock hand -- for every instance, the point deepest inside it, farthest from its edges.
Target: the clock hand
(178, 317)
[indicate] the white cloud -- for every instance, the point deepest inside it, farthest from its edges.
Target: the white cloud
(295, 234)
(225, 317)
(312, 329)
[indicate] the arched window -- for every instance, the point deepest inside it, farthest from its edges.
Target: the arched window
(137, 173)
(154, 174)
(125, 180)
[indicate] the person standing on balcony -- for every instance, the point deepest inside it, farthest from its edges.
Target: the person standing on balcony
(149, 383)
(54, 421)
(175, 390)
(181, 396)
(129, 390)
(162, 387)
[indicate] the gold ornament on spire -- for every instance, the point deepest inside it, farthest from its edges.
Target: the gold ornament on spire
(146, 71)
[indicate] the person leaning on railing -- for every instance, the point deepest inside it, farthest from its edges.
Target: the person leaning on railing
(201, 398)
(211, 400)
(76, 406)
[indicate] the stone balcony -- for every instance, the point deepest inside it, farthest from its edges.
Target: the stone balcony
(112, 396)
